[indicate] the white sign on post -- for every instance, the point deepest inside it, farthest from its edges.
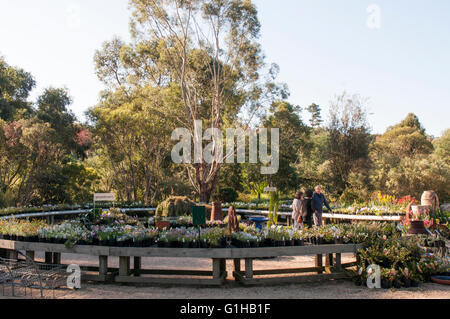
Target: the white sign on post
(270, 189)
(105, 197)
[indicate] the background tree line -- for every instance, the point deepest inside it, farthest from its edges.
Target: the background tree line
(191, 60)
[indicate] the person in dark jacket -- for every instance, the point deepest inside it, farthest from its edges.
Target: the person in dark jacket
(318, 200)
(308, 214)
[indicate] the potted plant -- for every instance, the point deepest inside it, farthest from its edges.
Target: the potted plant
(161, 224)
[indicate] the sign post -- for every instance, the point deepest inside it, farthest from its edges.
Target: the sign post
(270, 190)
(199, 219)
(104, 197)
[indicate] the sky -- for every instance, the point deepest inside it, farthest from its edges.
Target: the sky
(394, 53)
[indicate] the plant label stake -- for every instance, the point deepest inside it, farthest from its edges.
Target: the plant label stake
(199, 219)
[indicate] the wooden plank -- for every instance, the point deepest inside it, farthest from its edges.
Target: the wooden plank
(287, 271)
(45, 247)
(248, 268)
(290, 280)
(363, 217)
(225, 253)
(174, 272)
(309, 250)
(97, 278)
(169, 281)
(218, 253)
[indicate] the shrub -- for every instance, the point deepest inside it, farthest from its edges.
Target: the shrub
(175, 206)
(351, 196)
(227, 195)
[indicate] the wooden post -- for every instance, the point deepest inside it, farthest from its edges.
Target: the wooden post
(237, 265)
(217, 268)
(137, 266)
(124, 266)
(103, 266)
(328, 262)
(338, 262)
(223, 267)
(48, 258)
(30, 254)
(248, 268)
(319, 263)
(57, 258)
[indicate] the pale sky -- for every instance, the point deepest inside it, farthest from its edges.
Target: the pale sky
(323, 47)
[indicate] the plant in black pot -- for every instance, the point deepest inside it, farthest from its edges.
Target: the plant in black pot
(103, 238)
(407, 277)
(297, 238)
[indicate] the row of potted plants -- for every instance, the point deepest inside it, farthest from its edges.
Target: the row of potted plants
(402, 260)
(77, 232)
(22, 230)
(182, 221)
(66, 207)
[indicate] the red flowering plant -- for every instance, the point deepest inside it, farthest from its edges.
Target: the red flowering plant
(406, 200)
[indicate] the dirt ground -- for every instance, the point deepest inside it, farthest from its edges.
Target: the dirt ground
(341, 289)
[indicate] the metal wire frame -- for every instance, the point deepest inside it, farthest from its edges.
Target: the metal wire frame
(29, 274)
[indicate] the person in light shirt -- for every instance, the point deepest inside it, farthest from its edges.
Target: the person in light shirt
(298, 210)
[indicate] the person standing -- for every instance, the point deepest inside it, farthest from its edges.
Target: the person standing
(297, 210)
(318, 200)
(308, 211)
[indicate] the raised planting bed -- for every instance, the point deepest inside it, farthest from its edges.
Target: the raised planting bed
(217, 276)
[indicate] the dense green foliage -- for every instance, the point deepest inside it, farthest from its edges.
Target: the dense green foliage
(169, 76)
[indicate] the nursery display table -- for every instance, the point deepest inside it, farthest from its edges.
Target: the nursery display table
(217, 276)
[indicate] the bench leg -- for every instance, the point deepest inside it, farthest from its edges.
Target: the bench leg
(217, 268)
(103, 266)
(48, 258)
(249, 268)
(328, 262)
(338, 262)
(137, 266)
(57, 258)
(237, 265)
(124, 266)
(319, 263)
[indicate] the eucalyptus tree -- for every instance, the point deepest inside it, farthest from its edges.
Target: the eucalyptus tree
(207, 52)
